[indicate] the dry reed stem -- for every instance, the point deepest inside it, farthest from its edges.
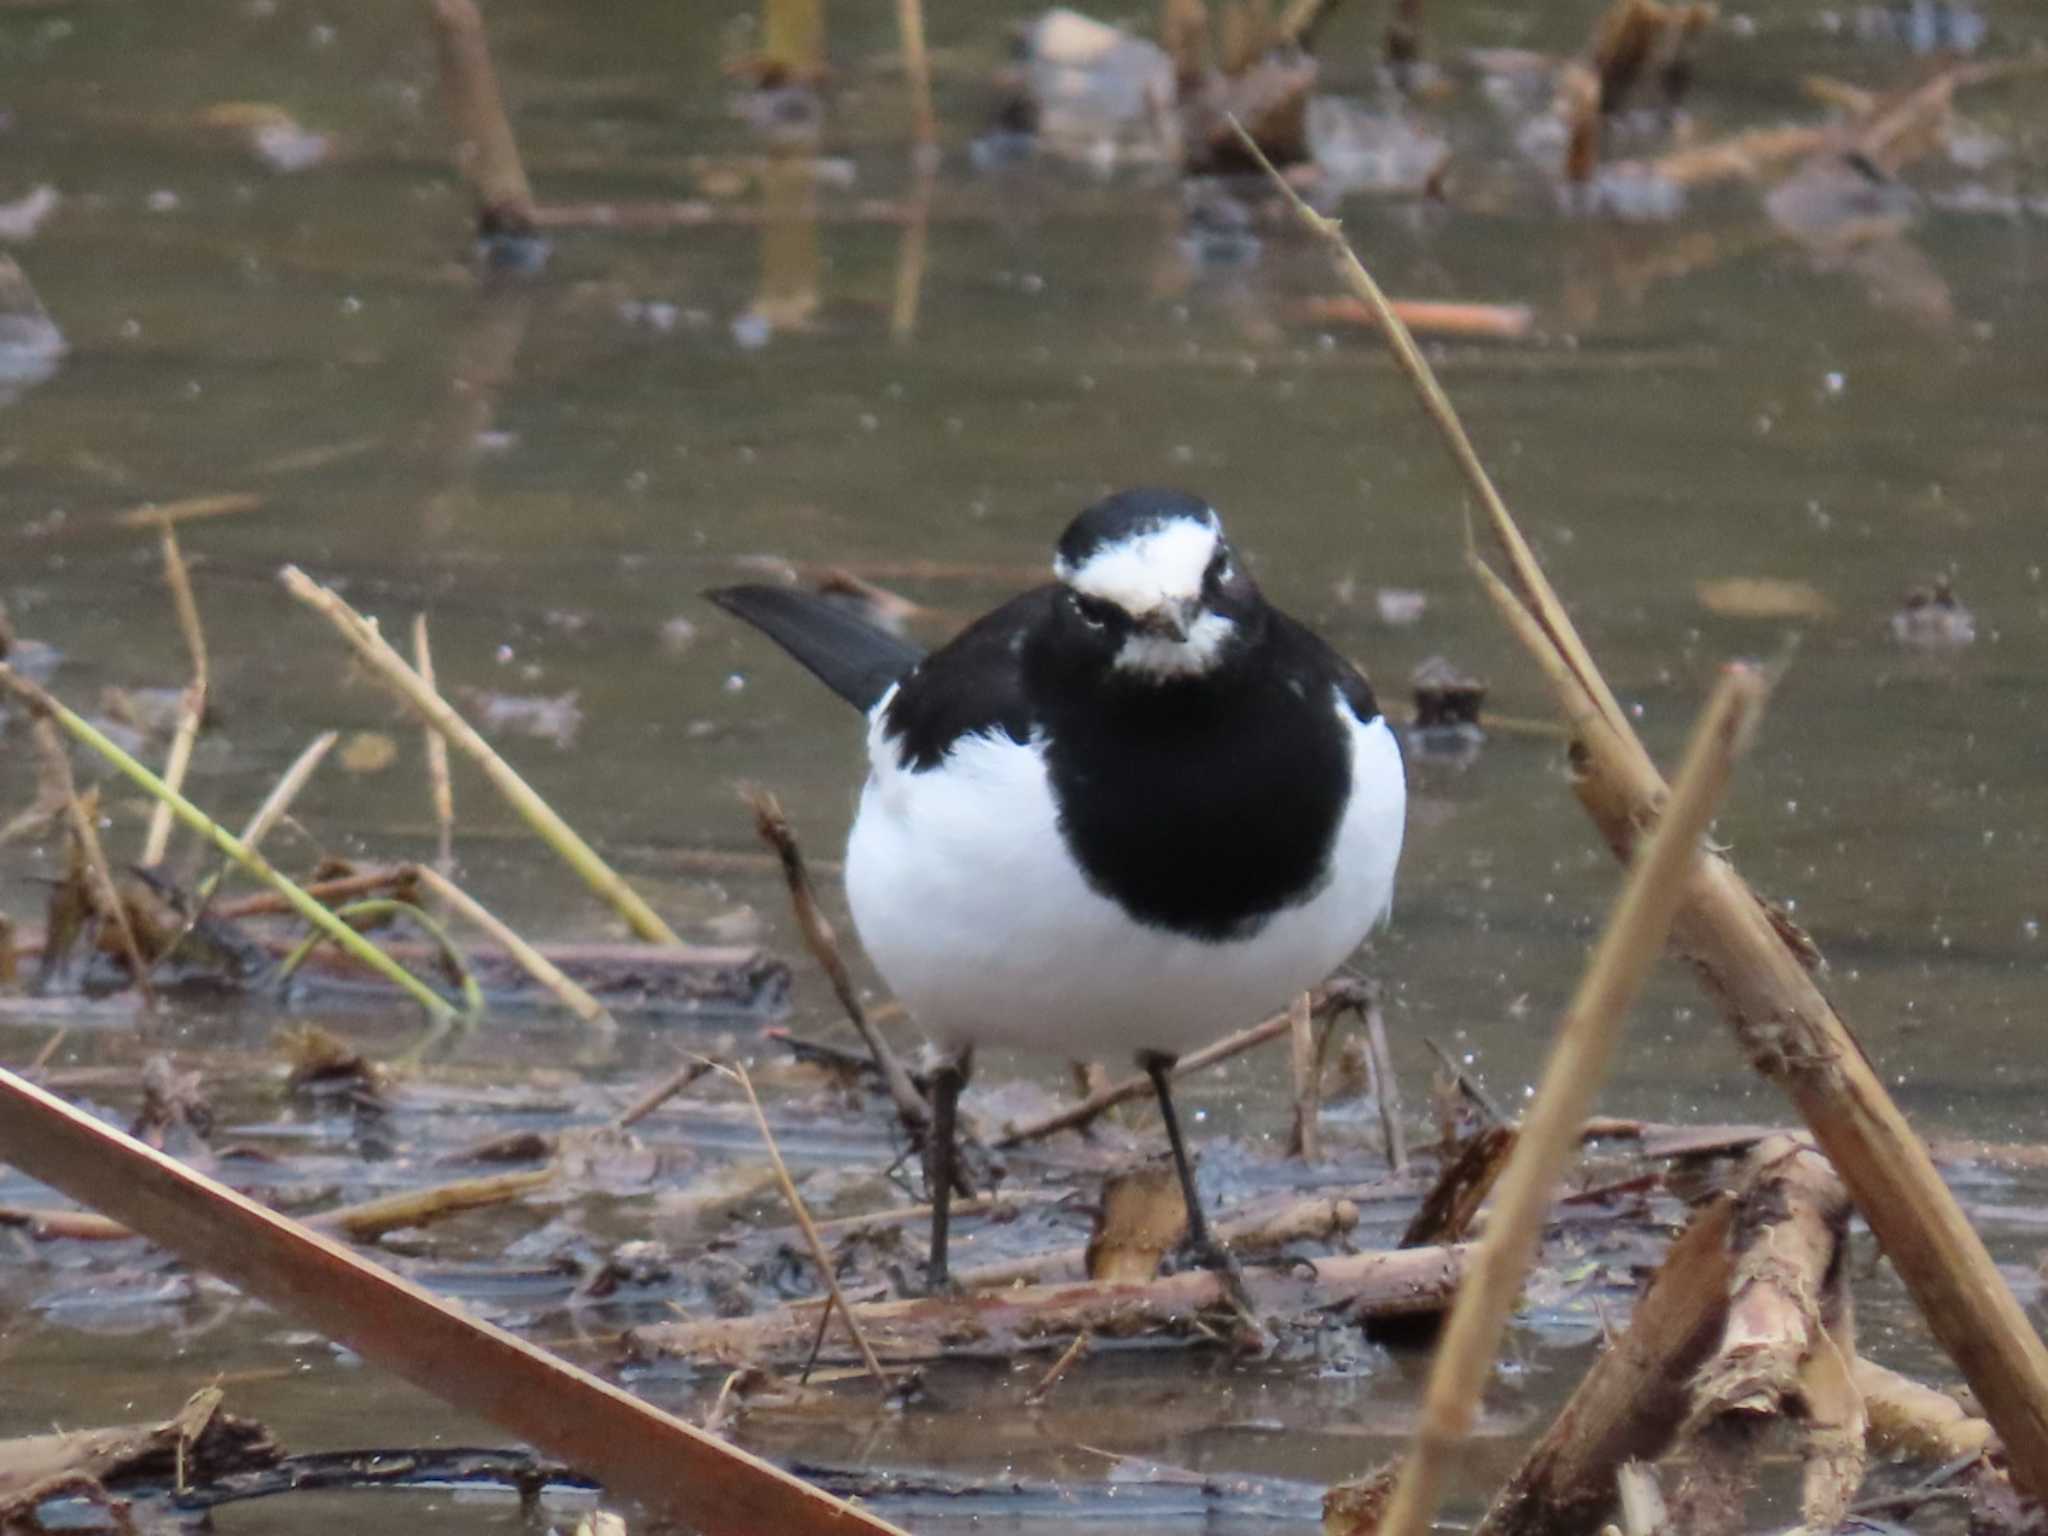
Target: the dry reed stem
(1305, 1067)
(1521, 559)
(45, 707)
(371, 646)
(1125, 1089)
(566, 989)
(151, 514)
(105, 896)
(287, 788)
(820, 1254)
(1751, 965)
(1386, 1087)
(917, 68)
(774, 829)
(485, 151)
(1631, 944)
(629, 1445)
(191, 703)
(439, 785)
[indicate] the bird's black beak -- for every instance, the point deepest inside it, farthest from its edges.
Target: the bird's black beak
(1169, 621)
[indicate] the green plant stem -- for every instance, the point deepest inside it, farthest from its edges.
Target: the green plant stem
(472, 994)
(44, 704)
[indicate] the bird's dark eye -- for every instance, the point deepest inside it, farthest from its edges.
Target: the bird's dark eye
(1095, 612)
(1220, 571)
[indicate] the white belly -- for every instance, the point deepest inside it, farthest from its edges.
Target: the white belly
(983, 926)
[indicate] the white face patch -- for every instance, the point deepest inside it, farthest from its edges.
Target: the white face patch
(1158, 656)
(1161, 567)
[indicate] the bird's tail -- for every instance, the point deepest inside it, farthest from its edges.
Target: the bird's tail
(856, 659)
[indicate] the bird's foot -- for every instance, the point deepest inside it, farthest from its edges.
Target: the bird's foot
(1253, 1337)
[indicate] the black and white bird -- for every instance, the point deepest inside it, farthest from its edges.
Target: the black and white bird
(1129, 810)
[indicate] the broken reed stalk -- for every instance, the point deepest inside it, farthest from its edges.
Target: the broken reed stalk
(820, 1254)
(1125, 1089)
(1305, 1066)
(1746, 958)
(439, 785)
(100, 875)
(917, 69)
(1630, 946)
(629, 1445)
(1630, 1404)
(774, 829)
(1386, 1087)
(567, 991)
(276, 803)
(485, 151)
(191, 703)
(371, 646)
(45, 707)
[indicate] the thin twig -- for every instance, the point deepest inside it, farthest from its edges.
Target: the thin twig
(1386, 1086)
(105, 897)
(774, 829)
(191, 703)
(363, 636)
(1305, 1067)
(1125, 1089)
(1074, 1351)
(439, 784)
(44, 706)
(820, 1255)
(273, 808)
(571, 994)
(661, 1093)
(1591, 1028)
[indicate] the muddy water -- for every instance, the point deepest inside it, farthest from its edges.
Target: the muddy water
(552, 469)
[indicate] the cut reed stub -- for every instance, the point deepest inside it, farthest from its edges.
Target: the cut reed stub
(486, 153)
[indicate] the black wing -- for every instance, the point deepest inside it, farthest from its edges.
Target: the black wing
(855, 659)
(971, 685)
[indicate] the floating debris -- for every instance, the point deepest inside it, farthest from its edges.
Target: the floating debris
(1931, 618)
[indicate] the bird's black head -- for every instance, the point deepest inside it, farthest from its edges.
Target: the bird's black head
(1150, 587)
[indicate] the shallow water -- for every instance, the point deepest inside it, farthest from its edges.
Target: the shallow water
(553, 469)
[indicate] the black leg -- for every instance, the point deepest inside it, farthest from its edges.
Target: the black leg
(1212, 1254)
(941, 1158)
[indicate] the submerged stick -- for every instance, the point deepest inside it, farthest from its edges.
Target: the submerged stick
(363, 636)
(1756, 971)
(44, 706)
(1577, 1065)
(485, 151)
(775, 830)
(367, 1220)
(630, 1445)
(570, 993)
(191, 703)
